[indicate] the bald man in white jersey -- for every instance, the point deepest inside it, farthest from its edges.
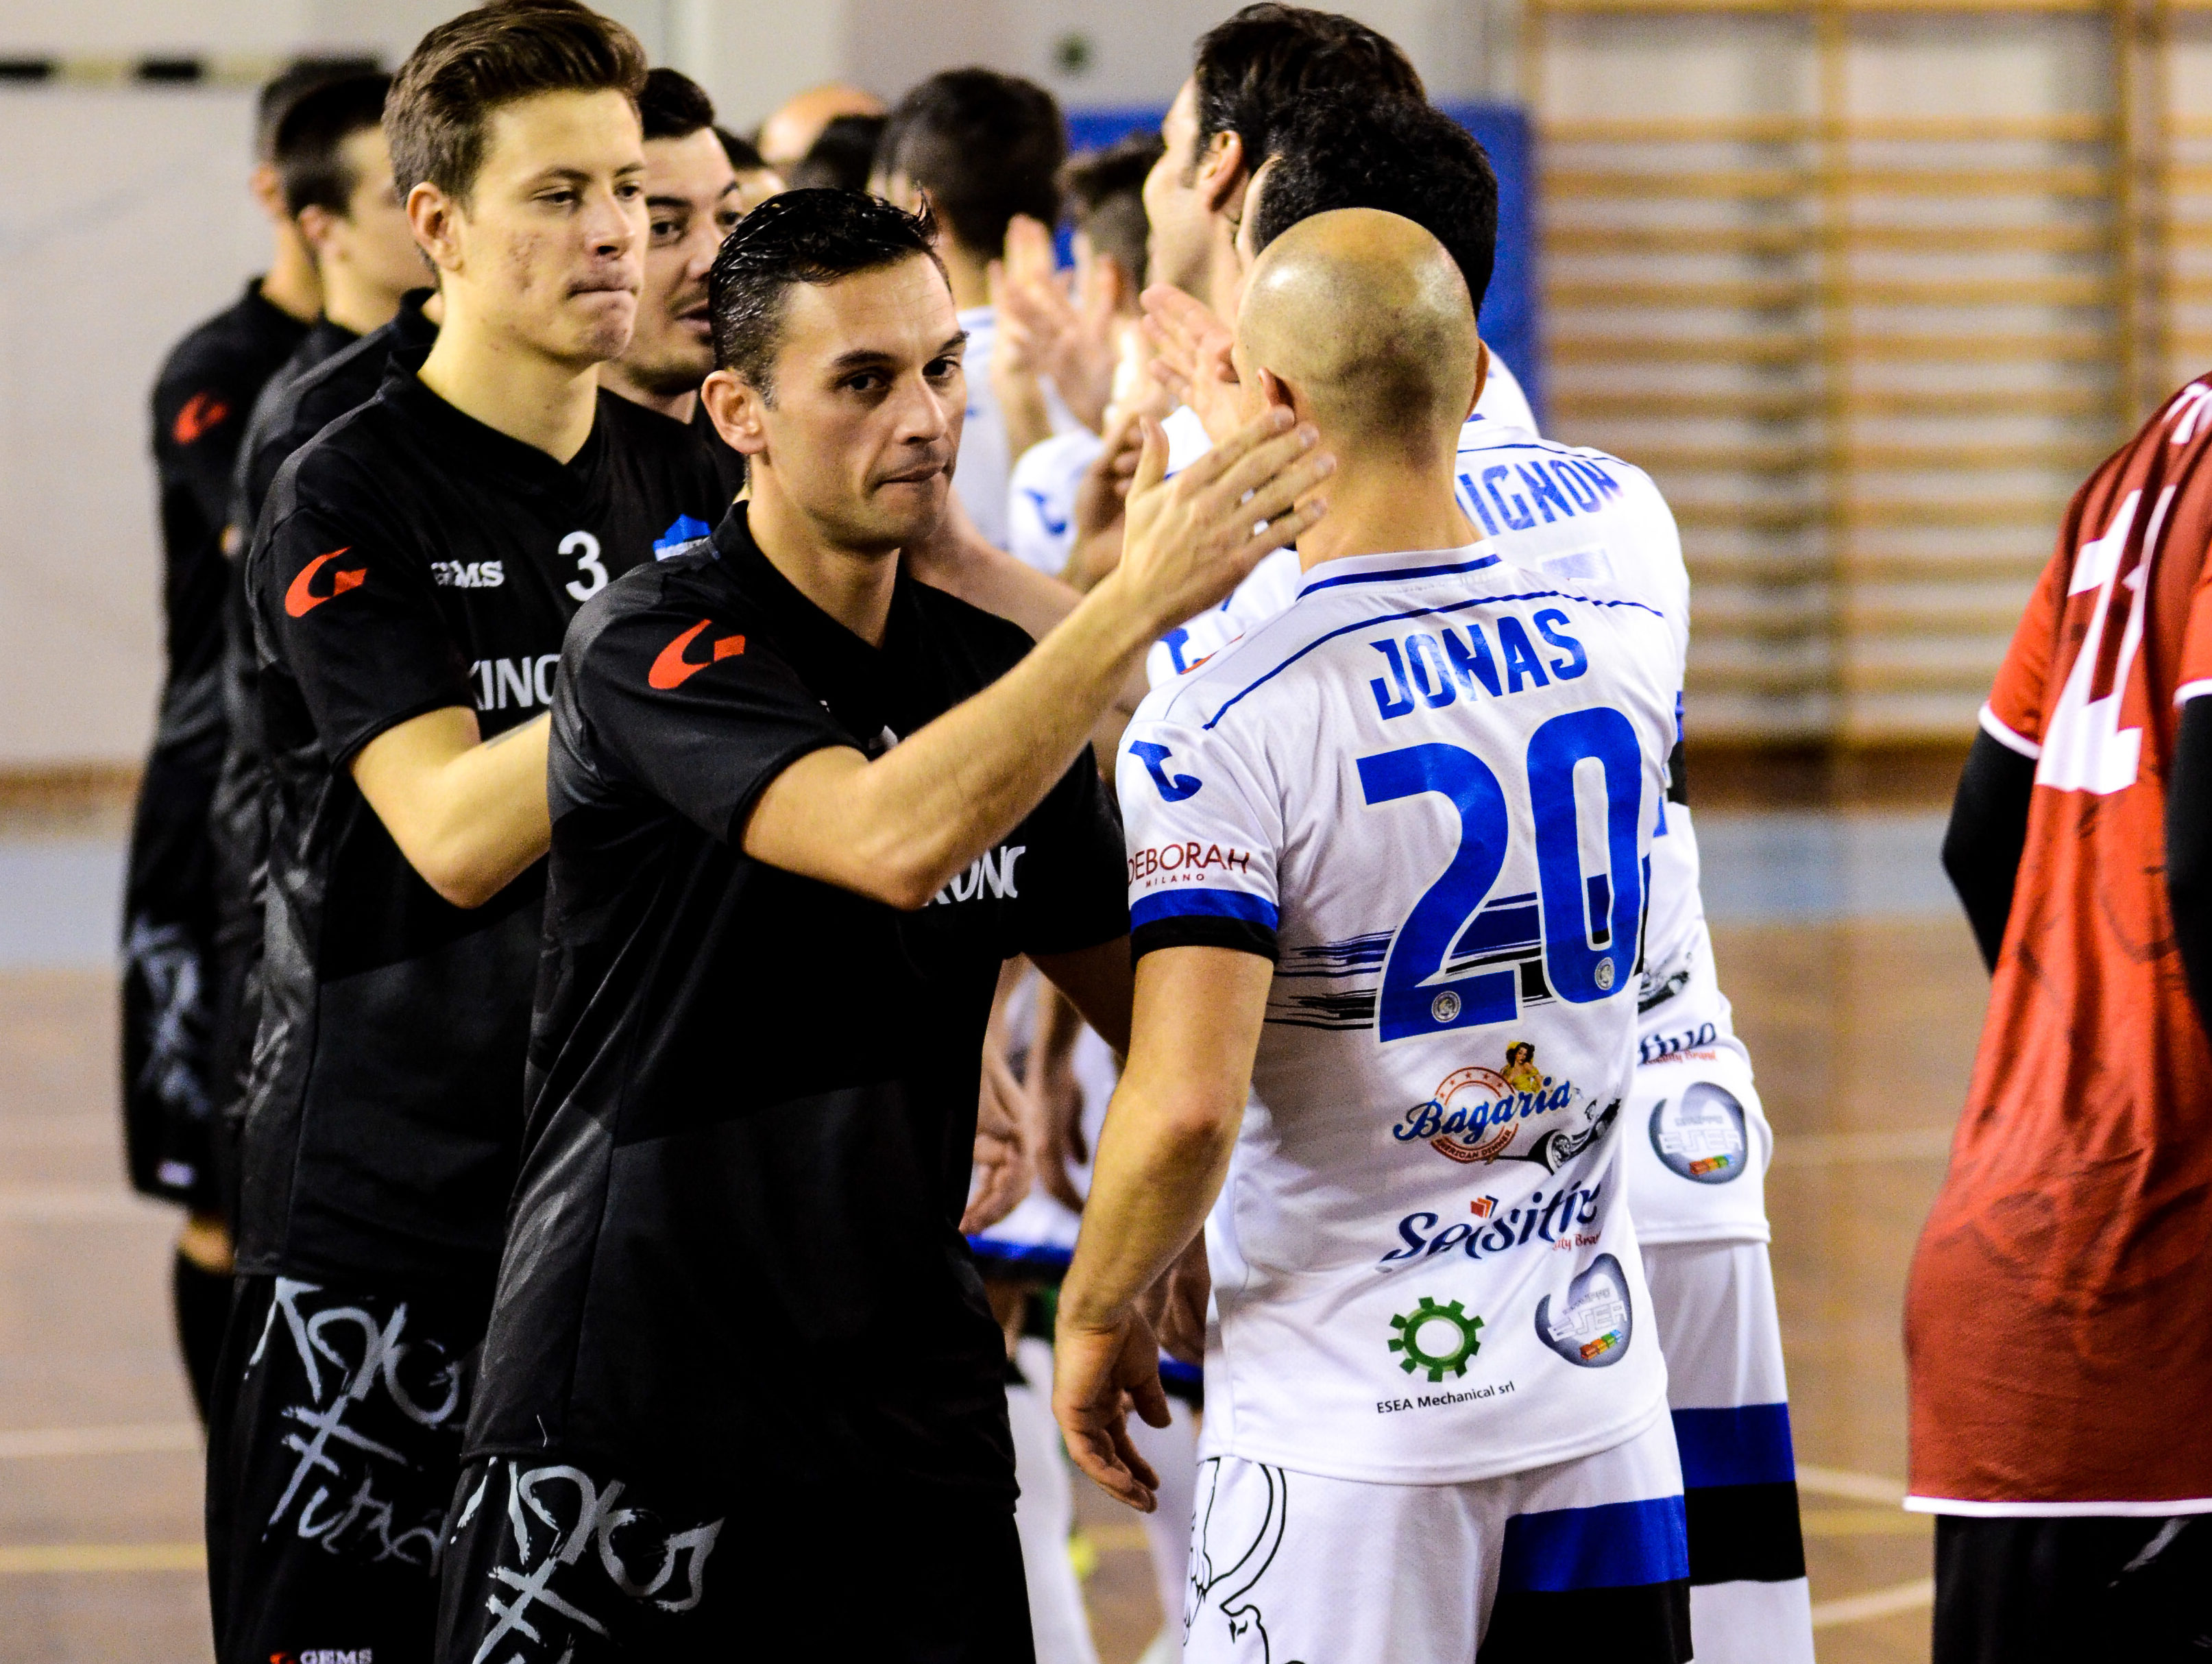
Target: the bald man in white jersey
(1699, 1145)
(1362, 887)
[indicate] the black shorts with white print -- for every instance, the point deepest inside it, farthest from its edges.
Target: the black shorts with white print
(331, 1458)
(546, 1563)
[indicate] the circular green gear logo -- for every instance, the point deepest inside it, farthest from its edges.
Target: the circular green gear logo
(1432, 1317)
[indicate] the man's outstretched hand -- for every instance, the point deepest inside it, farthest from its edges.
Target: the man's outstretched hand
(1193, 360)
(1098, 1376)
(1193, 538)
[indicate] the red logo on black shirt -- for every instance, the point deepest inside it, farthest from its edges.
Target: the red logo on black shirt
(672, 669)
(201, 411)
(300, 601)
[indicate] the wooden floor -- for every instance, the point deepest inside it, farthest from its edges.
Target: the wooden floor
(1863, 1032)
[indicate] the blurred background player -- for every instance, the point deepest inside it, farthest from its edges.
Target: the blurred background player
(757, 181)
(980, 147)
(2056, 1318)
(692, 199)
(202, 398)
(1482, 1432)
(1082, 333)
(335, 169)
(841, 157)
(790, 130)
(411, 576)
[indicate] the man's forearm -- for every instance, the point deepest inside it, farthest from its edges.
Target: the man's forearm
(469, 816)
(1158, 1173)
(953, 791)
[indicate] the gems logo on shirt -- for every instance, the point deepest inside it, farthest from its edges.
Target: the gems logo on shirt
(1518, 1113)
(1699, 1134)
(1597, 1321)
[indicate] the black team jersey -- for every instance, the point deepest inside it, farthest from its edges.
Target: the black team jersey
(410, 558)
(734, 1262)
(325, 378)
(201, 401)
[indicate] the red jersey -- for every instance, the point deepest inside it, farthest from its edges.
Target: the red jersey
(2058, 1320)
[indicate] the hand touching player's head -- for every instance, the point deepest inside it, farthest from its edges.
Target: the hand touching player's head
(839, 375)
(1359, 322)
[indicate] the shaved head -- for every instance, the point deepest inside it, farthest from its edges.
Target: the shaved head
(1365, 319)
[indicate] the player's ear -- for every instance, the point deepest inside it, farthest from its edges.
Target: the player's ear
(434, 218)
(734, 406)
(268, 187)
(1273, 391)
(1221, 172)
(1481, 375)
(314, 222)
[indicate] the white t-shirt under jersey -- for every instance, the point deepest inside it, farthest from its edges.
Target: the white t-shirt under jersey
(1428, 786)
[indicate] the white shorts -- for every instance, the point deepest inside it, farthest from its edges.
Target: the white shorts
(1712, 1304)
(1287, 1565)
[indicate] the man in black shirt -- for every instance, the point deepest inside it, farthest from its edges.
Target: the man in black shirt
(201, 400)
(692, 199)
(410, 578)
(742, 1395)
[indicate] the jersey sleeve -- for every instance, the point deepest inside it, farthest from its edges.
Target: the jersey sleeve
(1072, 894)
(685, 707)
(2020, 699)
(2195, 668)
(346, 596)
(1203, 837)
(200, 420)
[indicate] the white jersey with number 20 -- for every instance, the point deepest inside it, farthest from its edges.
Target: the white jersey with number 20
(1429, 787)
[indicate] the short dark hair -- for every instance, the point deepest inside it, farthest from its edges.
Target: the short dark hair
(807, 236)
(280, 93)
(744, 157)
(841, 155)
(985, 146)
(467, 67)
(1340, 150)
(671, 104)
(1107, 188)
(1258, 67)
(308, 148)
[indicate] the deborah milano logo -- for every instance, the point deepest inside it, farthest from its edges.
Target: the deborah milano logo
(1596, 1322)
(1514, 1113)
(1700, 1134)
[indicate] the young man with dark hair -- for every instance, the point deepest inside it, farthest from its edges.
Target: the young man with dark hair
(978, 148)
(410, 578)
(337, 170)
(736, 1313)
(1251, 72)
(692, 199)
(202, 399)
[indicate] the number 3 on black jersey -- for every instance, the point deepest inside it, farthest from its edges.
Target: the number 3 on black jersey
(586, 548)
(1589, 926)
